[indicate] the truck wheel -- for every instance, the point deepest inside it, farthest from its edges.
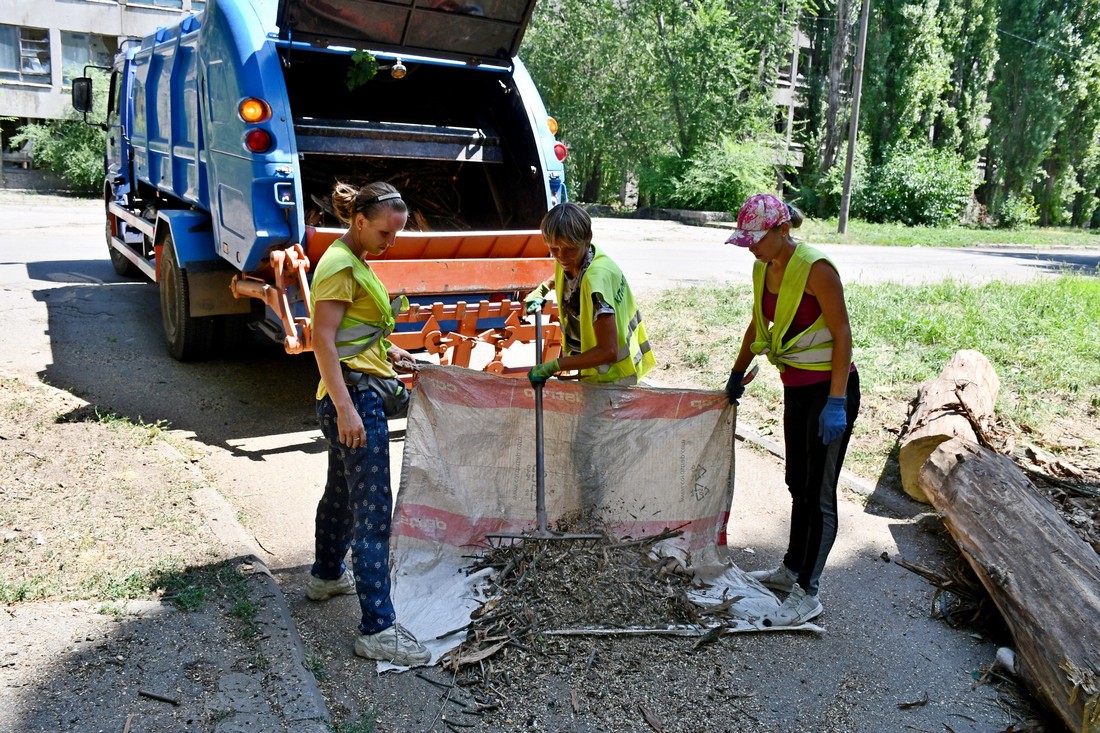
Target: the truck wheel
(188, 338)
(122, 266)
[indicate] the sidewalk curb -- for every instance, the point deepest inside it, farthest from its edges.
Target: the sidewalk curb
(288, 681)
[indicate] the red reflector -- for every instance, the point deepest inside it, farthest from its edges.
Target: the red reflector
(559, 151)
(258, 141)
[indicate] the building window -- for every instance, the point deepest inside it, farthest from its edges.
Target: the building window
(24, 54)
(177, 4)
(78, 49)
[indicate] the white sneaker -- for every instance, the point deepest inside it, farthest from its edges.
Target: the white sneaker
(321, 590)
(394, 645)
(781, 578)
(797, 609)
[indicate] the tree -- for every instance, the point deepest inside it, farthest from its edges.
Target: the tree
(647, 85)
(591, 75)
(1030, 96)
(906, 83)
(969, 29)
(70, 147)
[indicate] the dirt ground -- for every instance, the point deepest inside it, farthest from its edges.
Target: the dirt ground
(122, 605)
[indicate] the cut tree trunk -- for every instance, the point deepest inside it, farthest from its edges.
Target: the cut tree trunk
(956, 404)
(1044, 579)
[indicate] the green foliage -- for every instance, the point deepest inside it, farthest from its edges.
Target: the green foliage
(657, 176)
(363, 68)
(632, 84)
(1033, 92)
(1017, 211)
(911, 72)
(821, 194)
(917, 186)
(970, 40)
(723, 175)
(1040, 337)
(70, 147)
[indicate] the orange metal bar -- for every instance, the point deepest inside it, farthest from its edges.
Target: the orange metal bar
(437, 277)
(467, 262)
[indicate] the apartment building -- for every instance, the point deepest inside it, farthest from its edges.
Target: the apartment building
(45, 43)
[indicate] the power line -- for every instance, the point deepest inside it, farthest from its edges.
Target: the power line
(1035, 43)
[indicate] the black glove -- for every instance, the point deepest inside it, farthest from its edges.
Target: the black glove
(734, 388)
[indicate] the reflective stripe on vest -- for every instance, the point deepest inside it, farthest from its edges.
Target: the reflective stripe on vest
(354, 337)
(812, 349)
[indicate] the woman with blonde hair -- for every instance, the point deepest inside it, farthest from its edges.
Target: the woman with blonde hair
(352, 317)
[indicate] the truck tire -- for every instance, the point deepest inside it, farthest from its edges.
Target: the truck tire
(122, 266)
(188, 338)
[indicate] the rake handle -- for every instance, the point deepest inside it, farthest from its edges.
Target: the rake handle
(540, 469)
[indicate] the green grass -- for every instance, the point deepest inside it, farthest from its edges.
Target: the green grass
(824, 231)
(364, 723)
(192, 588)
(1043, 340)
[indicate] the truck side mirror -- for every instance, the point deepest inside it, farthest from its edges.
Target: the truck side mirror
(82, 94)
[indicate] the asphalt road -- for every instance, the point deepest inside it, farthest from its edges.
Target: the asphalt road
(656, 255)
(75, 324)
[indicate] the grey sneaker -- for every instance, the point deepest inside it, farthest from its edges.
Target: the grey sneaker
(394, 645)
(781, 578)
(797, 609)
(321, 590)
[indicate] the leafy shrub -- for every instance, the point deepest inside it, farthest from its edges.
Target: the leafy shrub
(1018, 211)
(917, 186)
(657, 180)
(821, 193)
(70, 147)
(724, 174)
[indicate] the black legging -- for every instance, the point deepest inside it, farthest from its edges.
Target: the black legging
(812, 473)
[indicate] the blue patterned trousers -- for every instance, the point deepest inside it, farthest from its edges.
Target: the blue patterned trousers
(355, 510)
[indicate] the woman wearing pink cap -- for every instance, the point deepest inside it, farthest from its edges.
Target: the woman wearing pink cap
(800, 323)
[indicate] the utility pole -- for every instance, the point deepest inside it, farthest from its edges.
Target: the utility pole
(853, 123)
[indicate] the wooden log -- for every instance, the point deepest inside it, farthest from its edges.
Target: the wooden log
(947, 407)
(1044, 579)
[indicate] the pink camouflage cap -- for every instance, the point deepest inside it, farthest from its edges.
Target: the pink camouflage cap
(760, 214)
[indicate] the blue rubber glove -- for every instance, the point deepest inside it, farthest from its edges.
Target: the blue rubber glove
(734, 388)
(541, 372)
(536, 298)
(833, 420)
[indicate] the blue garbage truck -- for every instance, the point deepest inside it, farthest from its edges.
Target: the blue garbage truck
(227, 131)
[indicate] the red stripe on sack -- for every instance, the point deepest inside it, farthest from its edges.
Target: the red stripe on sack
(482, 390)
(422, 522)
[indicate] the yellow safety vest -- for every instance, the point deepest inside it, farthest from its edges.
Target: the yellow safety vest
(355, 336)
(812, 349)
(634, 357)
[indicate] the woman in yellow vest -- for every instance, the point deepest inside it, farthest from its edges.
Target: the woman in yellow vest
(352, 316)
(602, 333)
(800, 324)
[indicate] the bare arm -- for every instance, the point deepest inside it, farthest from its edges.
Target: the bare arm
(326, 319)
(745, 355)
(825, 285)
(604, 352)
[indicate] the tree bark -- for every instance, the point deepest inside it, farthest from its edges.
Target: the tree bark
(831, 139)
(957, 404)
(1043, 578)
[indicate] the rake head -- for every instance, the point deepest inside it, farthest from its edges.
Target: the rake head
(507, 539)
